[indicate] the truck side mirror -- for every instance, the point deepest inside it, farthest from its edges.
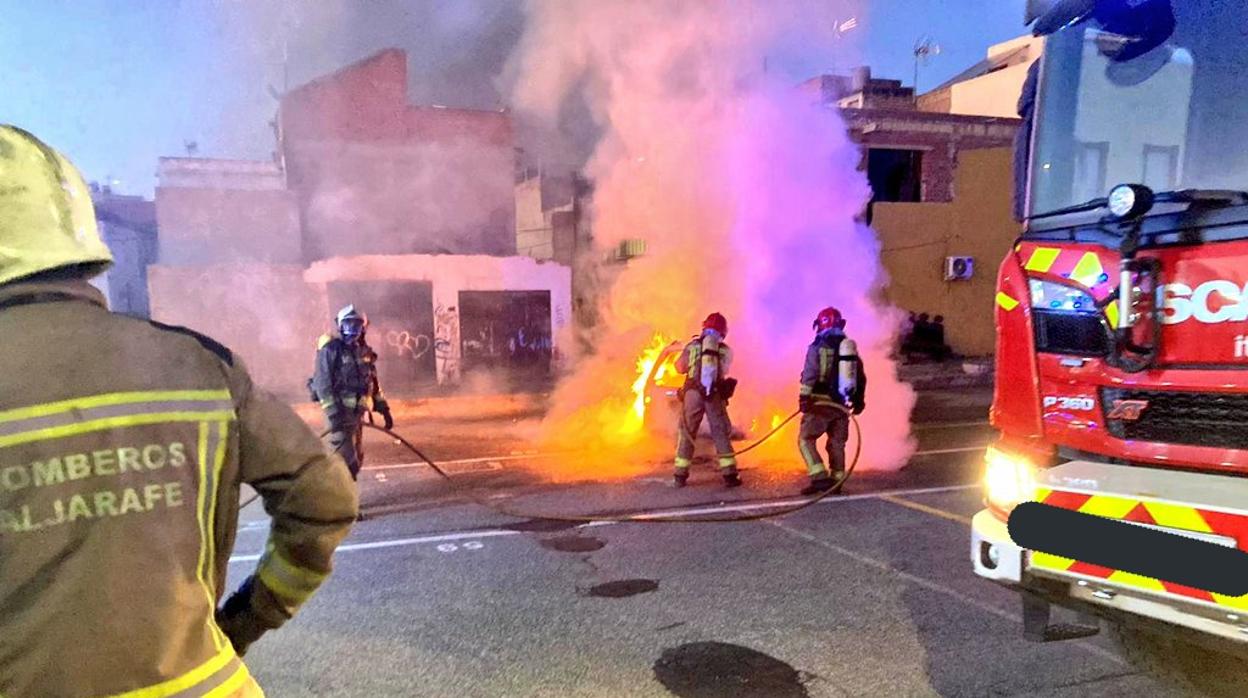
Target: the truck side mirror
(1137, 338)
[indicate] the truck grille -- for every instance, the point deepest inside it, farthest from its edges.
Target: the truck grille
(1217, 420)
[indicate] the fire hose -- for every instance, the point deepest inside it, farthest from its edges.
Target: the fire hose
(649, 518)
(646, 518)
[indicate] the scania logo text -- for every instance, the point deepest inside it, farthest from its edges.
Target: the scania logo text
(1212, 302)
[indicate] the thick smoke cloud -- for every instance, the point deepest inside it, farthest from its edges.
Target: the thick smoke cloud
(743, 189)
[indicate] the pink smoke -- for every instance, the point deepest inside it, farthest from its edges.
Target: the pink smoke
(743, 189)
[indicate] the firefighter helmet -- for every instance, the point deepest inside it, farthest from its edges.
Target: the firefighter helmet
(828, 318)
(47, 220)
(717, 322)
(351, 323)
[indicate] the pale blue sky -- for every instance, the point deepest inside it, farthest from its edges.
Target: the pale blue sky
(117, 83)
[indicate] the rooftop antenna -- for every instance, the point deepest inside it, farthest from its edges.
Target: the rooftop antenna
(286, 24)
(844, 26)
(925, 48)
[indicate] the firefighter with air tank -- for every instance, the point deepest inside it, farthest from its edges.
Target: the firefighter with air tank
(833, 385)
(705, 362)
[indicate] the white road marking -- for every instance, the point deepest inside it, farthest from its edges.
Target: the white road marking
(962, 449)
(950, 425)
(404, 542)
(493, 460)
(929, 585)
(782, 503)
(496, 461)
(493, 533)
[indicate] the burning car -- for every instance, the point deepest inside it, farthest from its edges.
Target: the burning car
(657, 389)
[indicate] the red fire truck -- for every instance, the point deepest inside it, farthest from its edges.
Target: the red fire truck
(1122, 319)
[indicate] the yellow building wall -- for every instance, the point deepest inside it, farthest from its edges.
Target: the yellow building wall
(994, 94)
(917, 237)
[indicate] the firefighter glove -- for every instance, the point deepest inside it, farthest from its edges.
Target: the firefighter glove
(383, 408)
(238, 620)
(858, 407)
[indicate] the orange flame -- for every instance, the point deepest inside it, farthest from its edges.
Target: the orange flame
(645, 366)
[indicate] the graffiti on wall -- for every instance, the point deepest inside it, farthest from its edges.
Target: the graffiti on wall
(506, 330)
(407, 345)
(446, 338)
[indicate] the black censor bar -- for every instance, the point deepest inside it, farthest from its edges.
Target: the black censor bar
(1130, 547)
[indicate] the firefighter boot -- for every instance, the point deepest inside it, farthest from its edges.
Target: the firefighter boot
(732, 480)
(679, 480)
(819, 485)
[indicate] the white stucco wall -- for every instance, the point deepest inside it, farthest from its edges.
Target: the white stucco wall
(450, 274)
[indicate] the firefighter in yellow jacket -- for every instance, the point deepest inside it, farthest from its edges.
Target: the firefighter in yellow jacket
(122, 447)
(705, 362)
(833, 383)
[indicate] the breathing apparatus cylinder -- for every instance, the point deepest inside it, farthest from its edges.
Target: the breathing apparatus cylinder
(847, 370)
(708, 373)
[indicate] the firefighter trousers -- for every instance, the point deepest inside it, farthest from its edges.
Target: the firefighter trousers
(346, 438)
(832, 423)
(715, 409)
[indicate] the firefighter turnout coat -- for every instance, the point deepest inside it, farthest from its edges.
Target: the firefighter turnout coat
(123, 445)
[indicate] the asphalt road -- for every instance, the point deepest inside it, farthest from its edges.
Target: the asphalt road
(866, 594)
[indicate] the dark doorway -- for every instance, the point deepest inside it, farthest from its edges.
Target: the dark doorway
(507, 330)
(400, 329)
(895, 175)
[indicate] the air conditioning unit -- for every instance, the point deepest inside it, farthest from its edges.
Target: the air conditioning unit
(959, 268)
(630, 248)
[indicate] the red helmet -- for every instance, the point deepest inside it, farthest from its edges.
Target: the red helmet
(827, 319)
(716, 322)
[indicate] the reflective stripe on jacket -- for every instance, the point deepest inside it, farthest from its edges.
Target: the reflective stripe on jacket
(123, 444)
(689, 363)
(346, 375)
(820, 372)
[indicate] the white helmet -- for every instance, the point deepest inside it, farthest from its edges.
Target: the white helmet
(351, 323)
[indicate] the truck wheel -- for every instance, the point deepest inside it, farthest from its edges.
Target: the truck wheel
(1185, 667)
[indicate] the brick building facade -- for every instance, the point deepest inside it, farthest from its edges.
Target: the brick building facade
(405, 211)
(375, 175)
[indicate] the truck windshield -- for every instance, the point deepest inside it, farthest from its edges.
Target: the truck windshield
(1172, 118)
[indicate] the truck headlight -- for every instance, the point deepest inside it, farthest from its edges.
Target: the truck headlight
(1008, 481)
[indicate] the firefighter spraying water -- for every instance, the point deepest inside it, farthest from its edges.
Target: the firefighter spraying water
(746, 198)
(832, 379)
(706, 361)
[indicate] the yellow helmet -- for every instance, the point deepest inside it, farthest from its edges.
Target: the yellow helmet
(47, 220)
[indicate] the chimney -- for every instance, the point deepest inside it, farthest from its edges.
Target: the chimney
(861, 78)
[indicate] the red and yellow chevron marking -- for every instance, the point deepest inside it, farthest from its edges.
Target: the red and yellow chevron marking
(1082, 265)
(1087, 266)
(1157, 513)
(1006, 301)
